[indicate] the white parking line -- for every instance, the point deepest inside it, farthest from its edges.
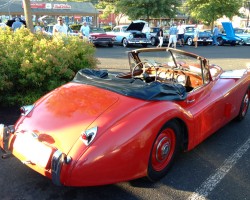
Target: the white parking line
(207, 187)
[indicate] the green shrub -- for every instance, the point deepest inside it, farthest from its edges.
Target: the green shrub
(107, 28)
(75, 27)
(33, 64)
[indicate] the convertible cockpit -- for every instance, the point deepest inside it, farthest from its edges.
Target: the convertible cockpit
(167, 66)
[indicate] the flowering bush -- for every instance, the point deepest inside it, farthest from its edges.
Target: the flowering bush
(33, 64)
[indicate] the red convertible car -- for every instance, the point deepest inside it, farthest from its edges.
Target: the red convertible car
(103, 127)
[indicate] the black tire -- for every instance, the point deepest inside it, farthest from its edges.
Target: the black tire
(164, 150)
(220, 41)
(154, 41)
(125, 42)
(241, 43)
(244, 106)
(189, 41)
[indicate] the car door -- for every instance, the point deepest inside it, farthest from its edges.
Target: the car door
(118, 32)
(204, 102)
(207, 110)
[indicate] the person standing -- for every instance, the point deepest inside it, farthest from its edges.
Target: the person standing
(84, 30)
(215, 35)
(17, 24)
(172, 35)
(196, 35)
(60, 28)
(160, 37)
(181, 32)
(38, 28)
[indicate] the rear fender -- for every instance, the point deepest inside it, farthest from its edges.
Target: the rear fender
(124, 147)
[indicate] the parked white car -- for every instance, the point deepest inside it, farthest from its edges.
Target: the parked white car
(135, 33)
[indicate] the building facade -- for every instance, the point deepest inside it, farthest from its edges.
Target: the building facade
(73, 12)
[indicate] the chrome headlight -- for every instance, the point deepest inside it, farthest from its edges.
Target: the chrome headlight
(131, 36)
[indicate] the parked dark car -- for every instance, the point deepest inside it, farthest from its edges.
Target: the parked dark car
(204, 36)
(153, 35)
(11, 21)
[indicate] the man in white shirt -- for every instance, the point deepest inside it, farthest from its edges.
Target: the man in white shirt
(181, 32)
(84, 31)
(60, 28)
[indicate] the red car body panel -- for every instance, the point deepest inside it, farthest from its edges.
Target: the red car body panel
(127, 127)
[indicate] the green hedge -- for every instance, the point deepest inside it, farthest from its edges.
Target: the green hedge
(34, 64)
(107, 28)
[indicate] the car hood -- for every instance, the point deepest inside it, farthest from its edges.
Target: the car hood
(228, 27)
(137, 25)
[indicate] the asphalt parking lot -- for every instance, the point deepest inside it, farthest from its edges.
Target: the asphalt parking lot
(219, 168)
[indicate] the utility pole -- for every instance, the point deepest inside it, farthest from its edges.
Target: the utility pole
(27, 14)
(248, 14)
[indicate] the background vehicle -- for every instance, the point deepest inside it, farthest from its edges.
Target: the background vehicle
(99, 37)
(11, 21)
(153, 35)
(244, 34)
(204, 37)
(228, 36)
(49, 30)
(133, 34)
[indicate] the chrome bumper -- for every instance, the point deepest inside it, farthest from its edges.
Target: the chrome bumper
(5, 133)
(58, 159)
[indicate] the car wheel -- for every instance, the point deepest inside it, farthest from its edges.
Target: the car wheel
(241, 43)
(220, 41)
(125, 42)
(244, 106)
(153, 41)
(165, 148)
(190, 41)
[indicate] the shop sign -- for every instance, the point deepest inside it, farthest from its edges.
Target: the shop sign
(61, 6)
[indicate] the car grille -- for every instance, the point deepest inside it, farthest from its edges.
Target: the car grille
(103, 39)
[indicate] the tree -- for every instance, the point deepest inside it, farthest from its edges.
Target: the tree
(208, 11)
(148, 8)
(109, 7)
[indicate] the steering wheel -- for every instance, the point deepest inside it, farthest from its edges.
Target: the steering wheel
(145, 65)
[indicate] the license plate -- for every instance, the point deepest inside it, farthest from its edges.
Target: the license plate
(34, 151)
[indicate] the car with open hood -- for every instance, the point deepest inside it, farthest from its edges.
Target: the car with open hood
(107, 127)
(133, 34)
(228, 35)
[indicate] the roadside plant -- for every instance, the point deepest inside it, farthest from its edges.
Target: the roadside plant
(34, 64)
